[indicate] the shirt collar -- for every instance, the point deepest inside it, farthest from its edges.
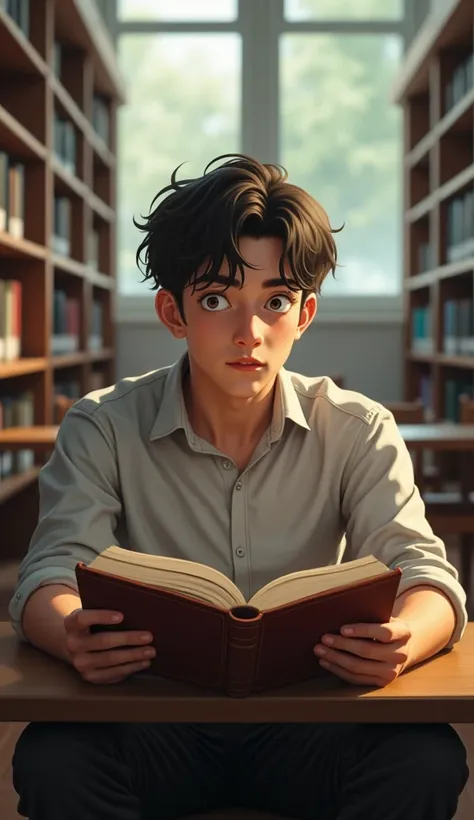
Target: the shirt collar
(172, 413)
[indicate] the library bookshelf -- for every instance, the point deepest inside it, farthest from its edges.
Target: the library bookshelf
(59, 93)
(436, 89)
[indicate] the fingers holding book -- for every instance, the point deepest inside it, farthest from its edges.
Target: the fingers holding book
(100, 652)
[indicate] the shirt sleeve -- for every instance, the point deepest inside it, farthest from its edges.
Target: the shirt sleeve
(385, 515)
(79, 509)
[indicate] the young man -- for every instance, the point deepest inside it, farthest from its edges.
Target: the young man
(228, 459)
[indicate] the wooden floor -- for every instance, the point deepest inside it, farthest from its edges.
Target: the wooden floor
(9, 732)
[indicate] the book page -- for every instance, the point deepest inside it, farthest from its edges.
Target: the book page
(301, 584)
(187, 577)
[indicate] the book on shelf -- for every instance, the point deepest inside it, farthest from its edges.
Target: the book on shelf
(61, 239)
(11, 296)
(93, 246)
(96, 335)
(16, 199)
(12, 195)
(19, 11)
(101, 117)
(460, 227)
(66, 323)
(57, 59)
(453, 389)
(422, 340)
(458, 327)
(206, 633)
(16, 411)
(462, 80)
(425, 257)
(65, 143)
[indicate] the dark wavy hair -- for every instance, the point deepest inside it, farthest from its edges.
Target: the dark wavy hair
(201, 220)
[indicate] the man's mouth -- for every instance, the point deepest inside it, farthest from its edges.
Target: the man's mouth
(246, 363)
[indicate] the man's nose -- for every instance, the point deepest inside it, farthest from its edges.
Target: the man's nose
(249, 332)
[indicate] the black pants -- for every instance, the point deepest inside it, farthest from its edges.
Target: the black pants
(126, 771)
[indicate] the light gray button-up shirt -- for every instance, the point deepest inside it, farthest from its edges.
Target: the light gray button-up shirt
(331, 480)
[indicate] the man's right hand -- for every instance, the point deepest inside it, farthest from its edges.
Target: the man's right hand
(105, 657)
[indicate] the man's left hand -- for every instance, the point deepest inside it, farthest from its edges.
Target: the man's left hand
(373, 654)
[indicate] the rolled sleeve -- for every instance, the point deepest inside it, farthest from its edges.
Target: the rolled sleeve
(79, 509)
(385, 515)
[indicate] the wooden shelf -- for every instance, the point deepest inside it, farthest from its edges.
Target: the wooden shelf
(16, 52)
(22, 367)
(66, 182)
(81, 357)
(14, 248)
(101, 208)
(13, 485)
(17, 140)
(439, 188)
(456, 361)
(427, 278)
(100, 280)
(414, 75)
(27, 134)
(36, 437)
(68, 265)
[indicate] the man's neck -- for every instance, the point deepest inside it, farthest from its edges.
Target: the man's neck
(230, 425)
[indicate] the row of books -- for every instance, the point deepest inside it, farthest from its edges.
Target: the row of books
(461, 82)
(458, 327)
(96, 334)
(100, 106)
(10, 319)
(425, 257)
(16, 411)
(460, 227)
(65, 143)
(67, 324)
(422, 340)
(453, 389)
(101, 117)
(61, 239)
(12, 195)
(19, 11)
(71, 388)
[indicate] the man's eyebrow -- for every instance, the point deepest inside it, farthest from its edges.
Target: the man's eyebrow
(277, 282)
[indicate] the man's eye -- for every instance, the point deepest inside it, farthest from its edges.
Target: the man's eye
(279, 304)
(214, 302)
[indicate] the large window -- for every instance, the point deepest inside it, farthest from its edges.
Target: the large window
(302, 82)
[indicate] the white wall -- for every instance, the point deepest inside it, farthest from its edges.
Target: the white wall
(369, 356)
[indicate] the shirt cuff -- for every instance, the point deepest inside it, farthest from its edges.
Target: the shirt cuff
(436, 577)
(30, 584)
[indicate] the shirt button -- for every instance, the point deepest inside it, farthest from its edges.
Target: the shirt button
(238, 486)
(227, 465)
(240, 552)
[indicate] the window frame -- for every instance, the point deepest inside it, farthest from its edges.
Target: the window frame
(260, 25)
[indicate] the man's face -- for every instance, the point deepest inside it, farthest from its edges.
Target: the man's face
(258, 323)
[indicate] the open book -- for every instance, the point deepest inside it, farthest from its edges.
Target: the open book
(204, 629)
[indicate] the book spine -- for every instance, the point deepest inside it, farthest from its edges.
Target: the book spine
(243, 640)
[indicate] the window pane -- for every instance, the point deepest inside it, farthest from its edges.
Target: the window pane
(197, 10)
(183, 105)
(296, 10)
(341, 140)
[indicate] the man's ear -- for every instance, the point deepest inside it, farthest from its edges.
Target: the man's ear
(307, 314)
(169, 314)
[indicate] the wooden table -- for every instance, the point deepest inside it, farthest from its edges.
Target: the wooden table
(35, 687)
(438, 436)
